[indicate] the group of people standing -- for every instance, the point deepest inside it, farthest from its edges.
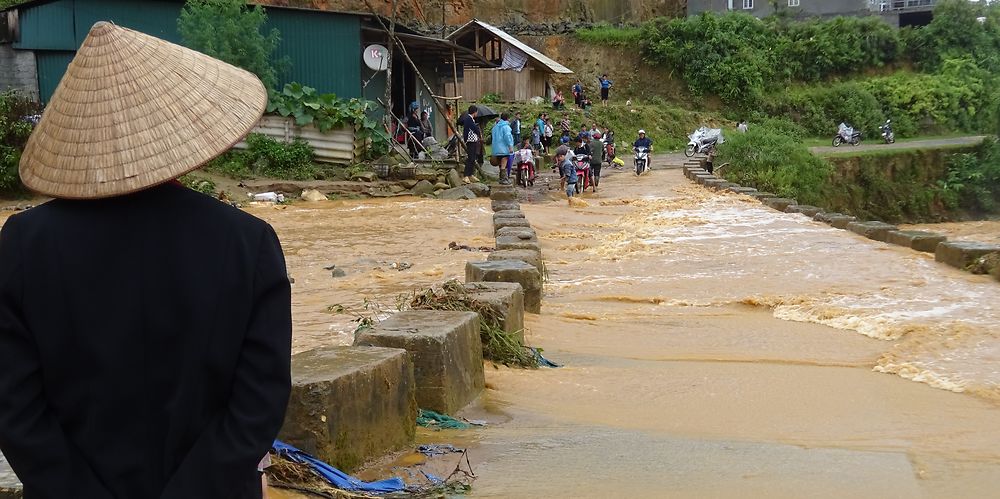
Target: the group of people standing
(580, 96)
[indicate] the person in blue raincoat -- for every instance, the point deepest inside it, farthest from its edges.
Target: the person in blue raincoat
(503, 146)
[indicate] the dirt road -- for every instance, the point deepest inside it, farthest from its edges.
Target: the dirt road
(914, 144)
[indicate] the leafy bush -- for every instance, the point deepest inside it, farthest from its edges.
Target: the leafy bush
(974, 179)
(772, 161)
(491, 98)
(729, 56)
(231, 31)
(819, 110)
(14, 132)
(327, 111)
(269, 157)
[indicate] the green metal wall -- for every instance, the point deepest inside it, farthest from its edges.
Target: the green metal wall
(48, 26)
(324, 49)
(153, 17)
(52, 64)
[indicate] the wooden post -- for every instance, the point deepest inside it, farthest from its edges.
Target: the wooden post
(458, 104)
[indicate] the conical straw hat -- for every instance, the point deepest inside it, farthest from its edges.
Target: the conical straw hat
(134, 111)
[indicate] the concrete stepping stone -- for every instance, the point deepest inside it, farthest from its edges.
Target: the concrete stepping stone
(523, 273)
(961, 254)
(506, 299)
(510, 222)
(525, 255)
(780, 204)
(446, 351)
(504, 205)
(805, 209)
(350, 405)
(523, 233)
(916, 239)
(875, 230)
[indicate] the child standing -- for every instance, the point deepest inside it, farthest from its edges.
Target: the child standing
(536, 138)
(567, 171)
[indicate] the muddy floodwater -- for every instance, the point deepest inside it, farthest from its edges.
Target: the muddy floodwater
(712, 347)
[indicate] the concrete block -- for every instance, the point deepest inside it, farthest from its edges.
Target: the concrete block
(961, 254)
(525, 255)
(779, 204)
(504, 205)
(446, 351)
(525, 274)
(872, 230)
(713, 182)
(761, 195)
(739, 189)
(515, 243)
(701, 178)
(508, 214)
(916, 239)
(506, 299)
(807, 210)
(724, 186)
(350, 405)
(510, 222)
(835, 220)
(522, 233)
(503, 193)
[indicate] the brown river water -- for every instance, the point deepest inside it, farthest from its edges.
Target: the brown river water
(712, 347)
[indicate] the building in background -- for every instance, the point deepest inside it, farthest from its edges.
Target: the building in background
(895, 12)
(521, 72)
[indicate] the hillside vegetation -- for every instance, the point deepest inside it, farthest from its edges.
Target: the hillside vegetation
(944, 77)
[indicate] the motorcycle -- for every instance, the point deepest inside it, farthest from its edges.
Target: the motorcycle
(525, 174)
(641, 160)
(887, 136)
(846, 135)
(702, 140)
(583, 174)
(609, 148)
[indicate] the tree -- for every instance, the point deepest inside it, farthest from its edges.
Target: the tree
(230, 30)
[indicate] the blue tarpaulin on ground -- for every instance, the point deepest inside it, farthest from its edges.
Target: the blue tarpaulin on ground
(337, 478)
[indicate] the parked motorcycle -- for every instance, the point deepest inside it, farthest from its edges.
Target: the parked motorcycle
(583, 174)
(702, 140)
(641, 160)
(846, 135)
(887, 136)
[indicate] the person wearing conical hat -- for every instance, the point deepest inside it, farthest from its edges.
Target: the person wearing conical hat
(145, 328)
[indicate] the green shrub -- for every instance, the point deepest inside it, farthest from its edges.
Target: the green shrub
(491, 98)
(271, 158)
(973, 179)
(772, 161)
(230, 30)
(14, 132)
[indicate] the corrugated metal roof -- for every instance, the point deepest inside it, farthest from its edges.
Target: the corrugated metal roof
(535, 55)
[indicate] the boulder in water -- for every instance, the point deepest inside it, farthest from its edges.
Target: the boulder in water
(312, 195)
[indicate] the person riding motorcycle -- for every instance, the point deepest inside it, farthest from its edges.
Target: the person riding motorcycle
(643, 141)
(887, 134)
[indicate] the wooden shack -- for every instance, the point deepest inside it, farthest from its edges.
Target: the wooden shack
(522, 71)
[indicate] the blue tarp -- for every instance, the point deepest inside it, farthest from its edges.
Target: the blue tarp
(337, 478)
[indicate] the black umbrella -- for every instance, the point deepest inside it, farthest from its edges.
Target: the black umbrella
(485, 113)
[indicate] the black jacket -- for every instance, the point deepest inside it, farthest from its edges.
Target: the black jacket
(470, 129)
(144, 347)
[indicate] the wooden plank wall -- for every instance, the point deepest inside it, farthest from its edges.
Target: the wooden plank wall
(511, 85)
